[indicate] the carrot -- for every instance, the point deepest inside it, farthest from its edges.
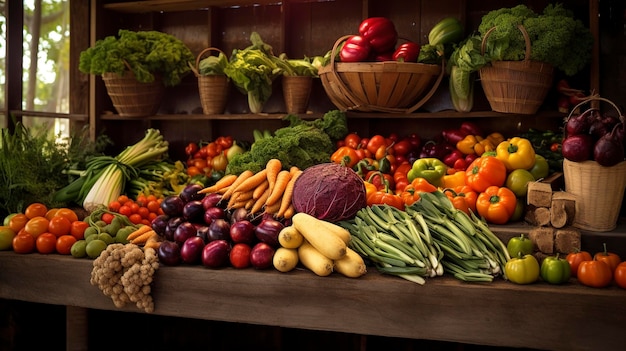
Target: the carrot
(260, 189)
(153, 242)
(249, 204)
(273, 166)
(141, 230)
(252, 182)
(288, 193)
(222, 183)
(240, 179)
(289, 212)
(279, 187)
(143, 238)
(273, 208)
(239, 197)
(260, 202)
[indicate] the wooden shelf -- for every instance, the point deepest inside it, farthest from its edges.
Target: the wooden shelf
(540, 316)
(182, 5)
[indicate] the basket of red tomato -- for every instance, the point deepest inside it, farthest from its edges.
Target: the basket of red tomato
(376, 74)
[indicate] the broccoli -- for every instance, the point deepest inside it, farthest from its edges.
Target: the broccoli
(555, 37)
(301, 144)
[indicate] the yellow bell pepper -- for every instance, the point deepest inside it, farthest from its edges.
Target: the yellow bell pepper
(485, 145)
(466, 145)
(453, 180)
(516, 153)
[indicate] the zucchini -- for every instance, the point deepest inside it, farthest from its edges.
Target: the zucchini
(314, 260)
(351, 265)
(319, 235)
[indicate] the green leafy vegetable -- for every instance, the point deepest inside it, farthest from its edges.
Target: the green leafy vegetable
(147, 53)
(253, 70)
(213, 65)
(302, 144)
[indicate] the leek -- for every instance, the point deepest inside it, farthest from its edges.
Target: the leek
(105, 178)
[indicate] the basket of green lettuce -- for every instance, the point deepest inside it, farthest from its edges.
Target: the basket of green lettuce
(515, 52)
(213, 84)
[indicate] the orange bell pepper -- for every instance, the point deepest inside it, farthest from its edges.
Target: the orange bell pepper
(484, 172)
(462, 197)
(346, 156)
(412, 191)
(496, 204)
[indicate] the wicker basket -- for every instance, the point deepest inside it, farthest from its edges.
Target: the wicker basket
(213, 88)
(132, 98)
(394, 87)
(296, 92)
(599, 190)
(516, 86)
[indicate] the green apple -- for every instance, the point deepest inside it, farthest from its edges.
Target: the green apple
(7, 219)
(6, 238)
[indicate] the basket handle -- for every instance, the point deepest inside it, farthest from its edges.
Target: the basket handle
(196, 68)
(597, 98)
(356, 102)
(483, 45)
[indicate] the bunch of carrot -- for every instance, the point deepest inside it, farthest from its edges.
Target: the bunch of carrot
(269, 190)
(145, 236)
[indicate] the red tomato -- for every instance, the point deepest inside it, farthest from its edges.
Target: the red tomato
(17, 222)
(352, 140)
(46, 243)
(125, 210)
(67, 213)
(115, 206)
(36, 226)
(596, 274)
(240, 255)
(23, 243)
(107, 218)
(135, 218)
(575, 258)
(64, 244)
(143, 212)
(620, 275)
(59, 226)
(609, 258)
(153, 206)
(77, 229)
(402, 147)
(35, 209)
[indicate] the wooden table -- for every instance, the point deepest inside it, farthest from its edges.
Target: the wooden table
(569, 317)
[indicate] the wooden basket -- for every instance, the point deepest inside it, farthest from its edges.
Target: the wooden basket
(296, 92)
(394, 87)
(516, 86)
(132, 98)
(599, 190)
(213, 88)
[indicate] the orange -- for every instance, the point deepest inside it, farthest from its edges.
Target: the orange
(36, 209)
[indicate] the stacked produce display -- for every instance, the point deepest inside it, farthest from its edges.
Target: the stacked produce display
(314, 196)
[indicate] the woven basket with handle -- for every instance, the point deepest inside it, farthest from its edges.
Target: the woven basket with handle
(599, 190)
(132, 98)
(390, 86)
(213, 88)
(516, 86)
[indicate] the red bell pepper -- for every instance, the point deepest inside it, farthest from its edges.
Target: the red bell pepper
(451, 159)
(380, 33)
(407, 52)
(355, 49)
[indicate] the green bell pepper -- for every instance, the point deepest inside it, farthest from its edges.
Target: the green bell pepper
(429, 168)
(522, 269)
(519, 244)
(555, 270)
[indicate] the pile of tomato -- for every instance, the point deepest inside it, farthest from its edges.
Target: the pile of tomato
(43, 230)
(205, 157)
(139, 211)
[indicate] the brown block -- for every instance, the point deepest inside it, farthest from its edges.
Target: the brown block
(543, 238)
(567, 240)
(564, 204)
(537, 216)
(539, 194)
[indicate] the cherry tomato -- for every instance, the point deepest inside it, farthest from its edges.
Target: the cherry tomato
(107, 218)
(620, 275)
(135, 218)
(596, 274)
(51, 213)
(59, 226)
(115, 206)
(46, 243)
(191, 149)
(153, 206)
(77, 229)
(143, 212)
(125, 210)
(36, 226)
(35, 209)
(64, 244)
(575, 258)
(352, 140)
(224, 141)
(23, 243)
(123, 199)
(240, 255)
